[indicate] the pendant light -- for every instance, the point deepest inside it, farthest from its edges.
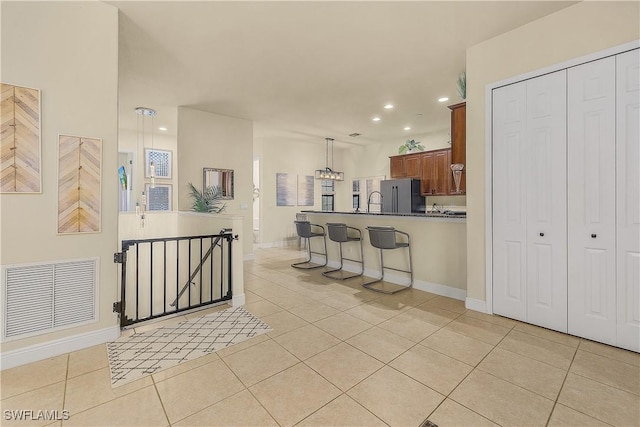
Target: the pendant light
(328, 173)
(143, 114)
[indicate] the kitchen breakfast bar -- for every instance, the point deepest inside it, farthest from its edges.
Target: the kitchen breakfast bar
(438, 245)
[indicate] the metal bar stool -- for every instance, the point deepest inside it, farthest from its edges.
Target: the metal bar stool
(385, 238)
(301, 217)
(305, 231)
(339, 232)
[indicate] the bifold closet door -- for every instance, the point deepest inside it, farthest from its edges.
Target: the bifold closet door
(591, 167)
(628, 198)
(509, 179)
(547, 201)
(529, 201)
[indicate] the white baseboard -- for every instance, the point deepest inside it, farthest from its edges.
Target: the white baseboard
(36, 352)
(476, 305)
(285, 243)
(238, 300)
(399, 279)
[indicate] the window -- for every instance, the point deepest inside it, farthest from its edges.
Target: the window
(361, 193)
(328, 191)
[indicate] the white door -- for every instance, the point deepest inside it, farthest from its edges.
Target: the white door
(509, 201)
(591, 201)
(628, 198)
(546, 166)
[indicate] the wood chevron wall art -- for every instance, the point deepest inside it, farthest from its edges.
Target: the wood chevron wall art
(20, 154)
(79, 181)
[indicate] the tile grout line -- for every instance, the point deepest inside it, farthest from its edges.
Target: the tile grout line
(566, 375)
(164, 410)
(448, 396)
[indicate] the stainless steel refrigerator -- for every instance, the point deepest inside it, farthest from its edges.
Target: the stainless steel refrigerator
(401, 196)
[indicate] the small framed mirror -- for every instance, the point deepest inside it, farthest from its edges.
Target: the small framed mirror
(222, 178)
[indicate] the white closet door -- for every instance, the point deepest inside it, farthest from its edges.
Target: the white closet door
(547, 201)
(591, 201)
(509, 201)
(628, 198)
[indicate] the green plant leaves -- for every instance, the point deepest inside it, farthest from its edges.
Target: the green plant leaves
(209, 200)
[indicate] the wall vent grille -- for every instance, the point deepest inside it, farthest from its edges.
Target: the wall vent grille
(40, 298)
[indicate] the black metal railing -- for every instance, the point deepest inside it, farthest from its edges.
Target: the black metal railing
(157, 275)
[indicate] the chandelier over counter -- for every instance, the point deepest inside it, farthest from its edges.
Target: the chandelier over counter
(328, 173)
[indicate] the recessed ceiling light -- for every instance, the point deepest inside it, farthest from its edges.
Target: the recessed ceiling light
(407, 128)
(376, 119)
(443, 99)
(388, 106)
(162, 128)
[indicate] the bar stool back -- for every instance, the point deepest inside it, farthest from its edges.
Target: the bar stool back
(385, 238)
(339, 232)
(306, 231)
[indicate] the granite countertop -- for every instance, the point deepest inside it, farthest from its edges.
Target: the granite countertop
(416, 215)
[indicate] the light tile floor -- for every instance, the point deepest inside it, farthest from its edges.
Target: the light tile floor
(342, 355)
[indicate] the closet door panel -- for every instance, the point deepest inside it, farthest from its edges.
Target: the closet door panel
(628, 198)
(591, 201)
(547, 201)
(509, 201)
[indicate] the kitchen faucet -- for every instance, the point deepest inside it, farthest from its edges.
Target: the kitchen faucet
(369, 200)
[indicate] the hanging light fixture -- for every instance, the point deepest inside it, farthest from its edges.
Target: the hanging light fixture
(328, 172)
(143, 113)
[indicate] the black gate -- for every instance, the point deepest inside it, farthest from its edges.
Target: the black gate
(169, 275)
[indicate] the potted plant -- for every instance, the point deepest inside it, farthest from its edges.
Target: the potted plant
(209, 200)
(462, 85)
(411, 146)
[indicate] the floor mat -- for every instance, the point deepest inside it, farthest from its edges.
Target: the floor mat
(139, 355)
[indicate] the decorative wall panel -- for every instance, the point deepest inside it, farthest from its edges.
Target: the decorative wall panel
(286, 189)
(79, 174)
(20, 141)
(305, 190)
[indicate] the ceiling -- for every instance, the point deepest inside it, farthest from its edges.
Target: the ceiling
(307, 70)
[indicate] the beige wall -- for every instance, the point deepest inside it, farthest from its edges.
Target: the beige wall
(578, 30)
(68, 50)
(216, 141)
(281, 155)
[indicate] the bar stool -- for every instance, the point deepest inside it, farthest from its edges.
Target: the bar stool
(301, 217)
(339, 232)
(385, 238)
(305, 231)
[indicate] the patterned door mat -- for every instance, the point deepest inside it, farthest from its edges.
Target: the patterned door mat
(138, 355)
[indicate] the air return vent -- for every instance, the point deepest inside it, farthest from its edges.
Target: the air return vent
(45, 297)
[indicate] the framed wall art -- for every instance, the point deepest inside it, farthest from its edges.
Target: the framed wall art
(79, 183)
(158, 197)
(20, 146)
(286, 189)
(305, 190)
(161, 160)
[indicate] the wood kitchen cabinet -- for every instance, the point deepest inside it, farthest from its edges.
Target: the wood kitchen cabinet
(406, 166)
(436, 173)
(459, 141)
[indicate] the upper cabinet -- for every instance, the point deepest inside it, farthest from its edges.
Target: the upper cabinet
(406, 166)
(433, 167)
(436, 173)
(459, 140)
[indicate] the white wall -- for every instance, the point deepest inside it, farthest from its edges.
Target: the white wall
(584, 28)
(68, 50)
(216, 141)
